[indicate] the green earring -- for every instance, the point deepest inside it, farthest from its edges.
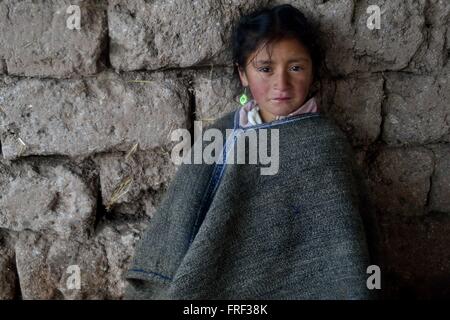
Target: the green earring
(243, 98)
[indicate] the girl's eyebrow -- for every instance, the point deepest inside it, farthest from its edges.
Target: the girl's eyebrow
(289, 61)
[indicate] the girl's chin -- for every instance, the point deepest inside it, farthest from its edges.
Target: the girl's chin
(282, 107)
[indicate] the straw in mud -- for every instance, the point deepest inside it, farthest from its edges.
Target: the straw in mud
(132, 151)
(119, 191)
(203, 119)
(140, 81)
(22, 147)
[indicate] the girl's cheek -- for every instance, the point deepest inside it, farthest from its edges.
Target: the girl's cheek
(303, 85)
(259, 89)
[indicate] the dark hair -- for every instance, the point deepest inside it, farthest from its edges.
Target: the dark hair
(270, 25)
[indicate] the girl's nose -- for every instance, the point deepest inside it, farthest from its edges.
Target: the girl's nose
(282, 81)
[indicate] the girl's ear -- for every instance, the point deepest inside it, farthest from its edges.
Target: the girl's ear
(243, 77)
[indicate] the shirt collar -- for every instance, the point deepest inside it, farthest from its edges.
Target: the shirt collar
(249, 113)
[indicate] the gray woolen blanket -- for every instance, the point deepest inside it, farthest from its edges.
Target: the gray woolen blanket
(229, 232)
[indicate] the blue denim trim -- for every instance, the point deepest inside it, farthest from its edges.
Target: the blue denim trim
(236, 118)
(211, 189)
(221, 167)
(151, 272)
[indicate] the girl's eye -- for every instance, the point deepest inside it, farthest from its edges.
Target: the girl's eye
(297, 68)
(264, 69)
(267, 69)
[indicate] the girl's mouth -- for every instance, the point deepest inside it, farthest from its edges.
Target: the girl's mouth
(281, 99)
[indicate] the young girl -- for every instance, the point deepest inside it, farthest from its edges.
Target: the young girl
(224, 230)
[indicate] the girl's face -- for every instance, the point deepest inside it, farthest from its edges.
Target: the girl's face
(280, 83)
